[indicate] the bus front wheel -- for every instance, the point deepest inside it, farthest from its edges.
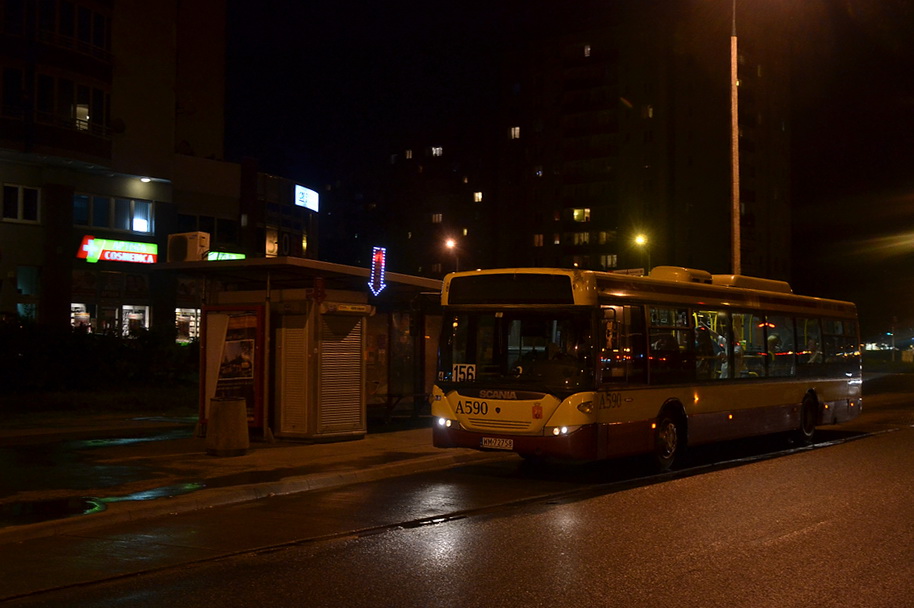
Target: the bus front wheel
(669, 441)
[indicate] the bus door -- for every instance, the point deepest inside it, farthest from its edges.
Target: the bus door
(621, 345)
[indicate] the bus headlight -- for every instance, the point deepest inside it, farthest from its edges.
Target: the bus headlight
(558, 431)
(444, 422)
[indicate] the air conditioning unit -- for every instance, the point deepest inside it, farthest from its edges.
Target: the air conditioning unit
(188, 246)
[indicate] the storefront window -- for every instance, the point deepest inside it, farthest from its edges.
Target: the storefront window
(80, 318)
(402, 377)
(376, 357)
(187, 324)
(134, 320)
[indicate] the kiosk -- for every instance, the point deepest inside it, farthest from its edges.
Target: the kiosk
(311, 345)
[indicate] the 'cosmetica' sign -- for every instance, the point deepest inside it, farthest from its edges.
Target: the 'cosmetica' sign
(93, 250)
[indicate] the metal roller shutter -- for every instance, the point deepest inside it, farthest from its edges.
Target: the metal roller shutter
(341, 374)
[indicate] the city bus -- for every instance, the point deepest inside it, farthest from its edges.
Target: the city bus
(585, 365)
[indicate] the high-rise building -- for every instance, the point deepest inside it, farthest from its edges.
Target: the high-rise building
(616, 124)
(609, 120)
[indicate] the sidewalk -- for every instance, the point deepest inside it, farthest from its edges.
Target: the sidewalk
(121, 467)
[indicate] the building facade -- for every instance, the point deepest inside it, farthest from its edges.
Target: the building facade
(112, 120)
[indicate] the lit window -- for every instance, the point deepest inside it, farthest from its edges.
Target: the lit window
(437, 151)
(142, 216)
(477, 197)
(82, 116)
(538, 170)
(580, 238)
(581, 215)
(515, 132)
(587, 50)
(465, 231)
(556, 239)
(408, 154)
(609, 261)
(436, 218)
(537, 240)
(647, 111)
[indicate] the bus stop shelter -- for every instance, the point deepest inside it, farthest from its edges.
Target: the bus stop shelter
(312, 346)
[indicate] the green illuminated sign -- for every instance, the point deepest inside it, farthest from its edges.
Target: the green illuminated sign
(223, 255)
(92, 250)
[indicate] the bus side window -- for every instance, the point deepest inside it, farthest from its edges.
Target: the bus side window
(840, 349)
(748, 346)
(809, 352)
(712, 339)
(781, 345)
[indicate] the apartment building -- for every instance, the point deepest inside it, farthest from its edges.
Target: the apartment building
(112, 116)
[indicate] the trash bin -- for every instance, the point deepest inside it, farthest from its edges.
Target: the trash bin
(227, 427)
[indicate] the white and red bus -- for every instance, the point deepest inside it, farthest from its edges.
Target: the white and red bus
(587, 365)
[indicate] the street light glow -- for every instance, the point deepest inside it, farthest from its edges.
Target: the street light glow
(642, 242)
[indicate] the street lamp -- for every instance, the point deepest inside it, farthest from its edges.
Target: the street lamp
(642, 242)
(734, 150)
(452, 245)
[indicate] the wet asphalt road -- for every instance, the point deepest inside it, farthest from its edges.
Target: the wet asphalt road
(409, 515)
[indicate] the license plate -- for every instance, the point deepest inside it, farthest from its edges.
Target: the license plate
(497, 443)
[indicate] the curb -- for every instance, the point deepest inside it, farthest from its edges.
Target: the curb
(124, 512)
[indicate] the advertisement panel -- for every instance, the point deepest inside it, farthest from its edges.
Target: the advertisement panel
(232, 358)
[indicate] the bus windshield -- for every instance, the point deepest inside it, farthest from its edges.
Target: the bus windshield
(549, 351)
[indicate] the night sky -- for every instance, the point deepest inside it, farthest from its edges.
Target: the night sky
(319, 88)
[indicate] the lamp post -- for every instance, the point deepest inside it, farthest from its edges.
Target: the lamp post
(642, 242)
(452, 245)
(735, 241)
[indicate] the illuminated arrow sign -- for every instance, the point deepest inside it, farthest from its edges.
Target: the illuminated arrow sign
(93, 250)
(378, 264)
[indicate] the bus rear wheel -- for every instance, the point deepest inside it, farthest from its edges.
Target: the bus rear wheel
(669, 441)
(808, 414)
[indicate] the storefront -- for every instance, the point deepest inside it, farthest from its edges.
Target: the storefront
(313, 348)
(112, 291)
